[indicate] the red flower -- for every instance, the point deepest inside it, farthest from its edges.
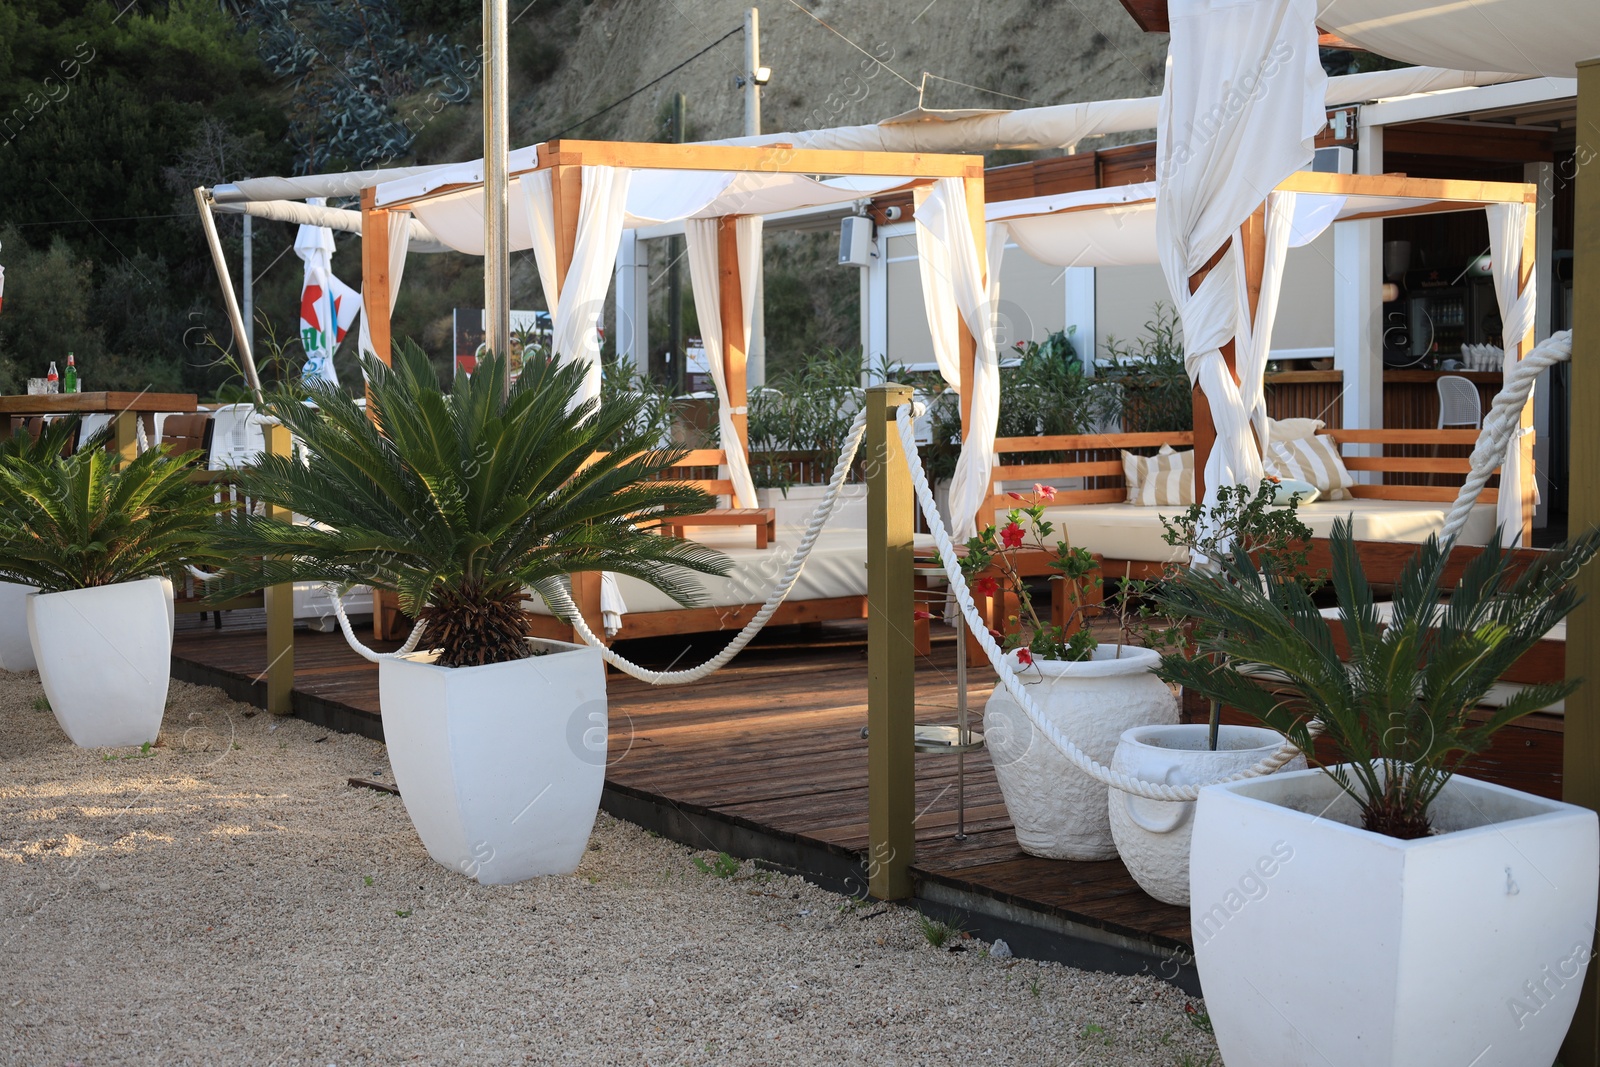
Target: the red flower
(1016, 496)
(1011, 536)
(1044, 492)
(1024, 657)
(985, 587)
(919, 615)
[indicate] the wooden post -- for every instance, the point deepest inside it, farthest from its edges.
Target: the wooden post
(279, 604)
(734, 343)
(1581, 744)
(1254, 249)
(1525, 277)
(891, 654)
(973, 183)
(375, 272)
(125, 431)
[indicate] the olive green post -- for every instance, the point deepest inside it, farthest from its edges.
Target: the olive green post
(280, 604)
(1581, 759)
(891, 654)
(125, 436)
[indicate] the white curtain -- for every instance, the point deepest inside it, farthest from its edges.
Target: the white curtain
(1507, 228)
(1253, 343)
(399, 244)
(1242, 102)
(576, 301)
(953, 283)
(704, 262)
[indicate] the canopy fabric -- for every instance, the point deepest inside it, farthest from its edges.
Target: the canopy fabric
(577, 300)
(1549, 37)
(1507, 226)
(953, 281)
(1241, 105)
(334, 218)
(399, 244)
(1253, 339)
(704, 266)
(654, 197)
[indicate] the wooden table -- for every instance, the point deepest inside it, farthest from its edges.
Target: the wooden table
(764, 520)
(124, 409)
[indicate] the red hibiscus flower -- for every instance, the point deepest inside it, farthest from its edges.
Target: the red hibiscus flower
(1011, 536)
(1044, 492)
(1024, 657)
(919, 615)
(985, 587)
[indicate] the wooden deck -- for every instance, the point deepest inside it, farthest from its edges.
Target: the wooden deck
(766, 760)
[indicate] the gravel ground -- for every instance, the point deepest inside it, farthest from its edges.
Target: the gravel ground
(227, 898)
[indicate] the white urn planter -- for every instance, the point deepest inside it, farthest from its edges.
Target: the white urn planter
(105, 658)
(1319, 942)
(1153, 836)
(500, 767)
(1058, 811)
(16, 650)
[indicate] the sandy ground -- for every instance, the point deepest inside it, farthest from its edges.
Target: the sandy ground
(228, 898)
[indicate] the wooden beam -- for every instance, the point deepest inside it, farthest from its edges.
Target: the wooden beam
(1205, 427)
(375, 273)
(1399, 185)
(734, 342)
(1149, 15)
(891, 654)
(773, 159)
(969, 344)
(566, 192)
(1525, 278)
(279, 602)
(1473, 141)
(1581, 755)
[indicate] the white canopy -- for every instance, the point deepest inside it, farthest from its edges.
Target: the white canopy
(1549, 37)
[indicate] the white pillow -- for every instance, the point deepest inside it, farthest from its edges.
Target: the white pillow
(1313, 459)
(1291, 429)
(1164, 479)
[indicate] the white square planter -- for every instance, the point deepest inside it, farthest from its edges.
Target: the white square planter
(105, 659)
(1321, 943)
(16, 650)
(500, 767)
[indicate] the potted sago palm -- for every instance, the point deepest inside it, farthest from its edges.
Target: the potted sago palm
(1382, 908)
(465, 504)
(99, 543)
(53, 441)
(1093, 693)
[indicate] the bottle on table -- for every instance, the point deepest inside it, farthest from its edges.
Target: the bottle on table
(69, 383)
(53, 378)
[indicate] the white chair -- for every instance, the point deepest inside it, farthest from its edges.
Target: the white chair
(1459, 402)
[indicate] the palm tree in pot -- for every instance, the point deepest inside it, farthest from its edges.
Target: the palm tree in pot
(463, 503)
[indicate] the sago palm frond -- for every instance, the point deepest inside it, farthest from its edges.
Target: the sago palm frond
(462, 501)
(1400, 708)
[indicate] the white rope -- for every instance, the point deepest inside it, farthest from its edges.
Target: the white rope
(1503, 422)
(199, 575)
(562, 605)
(1008, 678)
(355, 643)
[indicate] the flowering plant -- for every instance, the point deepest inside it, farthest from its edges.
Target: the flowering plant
(990, 567)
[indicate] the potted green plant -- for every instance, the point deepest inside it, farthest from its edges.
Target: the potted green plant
(1094, 693)
(54, 440)
(1382, 908)
(463, 503)
(99, 544)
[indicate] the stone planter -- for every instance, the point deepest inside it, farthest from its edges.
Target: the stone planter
(105, 659)
(1058, 811)
(1153, 836)
(16, 650)
(1319, 942)
(500, 767)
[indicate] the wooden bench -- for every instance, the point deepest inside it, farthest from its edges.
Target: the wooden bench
(764, 520)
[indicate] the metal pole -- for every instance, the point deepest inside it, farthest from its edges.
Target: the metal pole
(496, 147)
(756, 343)
(675, 246)
(202, 197)
(248, 283)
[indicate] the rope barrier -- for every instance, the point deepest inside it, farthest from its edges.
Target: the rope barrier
(1008, 677)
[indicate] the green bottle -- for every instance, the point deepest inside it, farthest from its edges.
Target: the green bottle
(69, 384)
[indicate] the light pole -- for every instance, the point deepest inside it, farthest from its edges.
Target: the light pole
(496, 146)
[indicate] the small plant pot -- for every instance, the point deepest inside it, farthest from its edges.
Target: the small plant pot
(500, 767)
(1153, 836)
(16, 650)
(1058, 811)
(1319, 942)
(105, 659)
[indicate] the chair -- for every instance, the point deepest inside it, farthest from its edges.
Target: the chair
(1459, 402)
(185, 433)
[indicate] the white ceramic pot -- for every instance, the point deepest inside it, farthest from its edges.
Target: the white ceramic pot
(105, 658)
(1152, 836)
(1321, 943)
(500, 767)
(1058, 811)
(16, 651)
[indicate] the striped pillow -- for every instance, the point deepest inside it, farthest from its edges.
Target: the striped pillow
(1312, 459)
(1166, 478)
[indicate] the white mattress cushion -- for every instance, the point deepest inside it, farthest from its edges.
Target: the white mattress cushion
(1131, 532)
